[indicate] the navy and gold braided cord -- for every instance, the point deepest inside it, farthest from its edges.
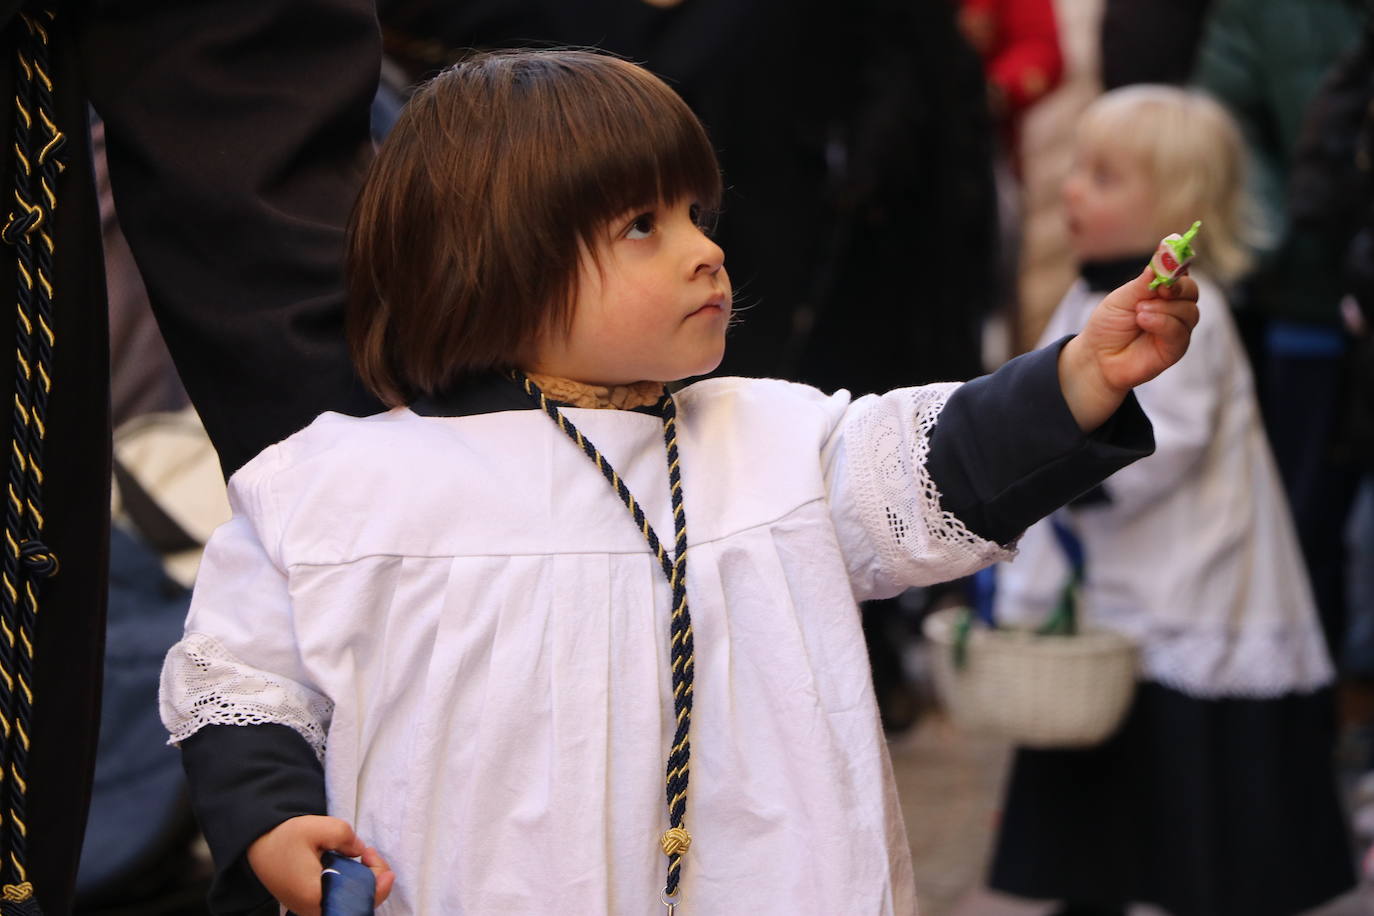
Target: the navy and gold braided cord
(676, 840)
(38, 144)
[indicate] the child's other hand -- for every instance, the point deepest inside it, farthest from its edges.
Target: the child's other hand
(286, 860)
(1134, 334)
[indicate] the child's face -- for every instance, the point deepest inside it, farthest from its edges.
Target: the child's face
(1108, 198)
(653, 305)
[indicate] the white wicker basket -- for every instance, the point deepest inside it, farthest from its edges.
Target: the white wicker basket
(1037, 691)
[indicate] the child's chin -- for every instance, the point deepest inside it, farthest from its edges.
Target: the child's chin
(711, 365)
(707, 364)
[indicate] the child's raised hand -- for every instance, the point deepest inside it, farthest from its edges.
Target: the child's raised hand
(286, 860)
(1134, 334)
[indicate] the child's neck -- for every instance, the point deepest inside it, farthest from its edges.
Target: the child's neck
(581, 394)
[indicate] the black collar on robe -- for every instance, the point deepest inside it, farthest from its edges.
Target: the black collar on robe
(1105, 276)
(487, 392)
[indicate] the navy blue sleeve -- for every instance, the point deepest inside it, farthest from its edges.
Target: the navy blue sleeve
(1006, 451)
(245, 780)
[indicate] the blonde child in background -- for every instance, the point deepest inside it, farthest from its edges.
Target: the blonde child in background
(1217, 797)
(548, 635)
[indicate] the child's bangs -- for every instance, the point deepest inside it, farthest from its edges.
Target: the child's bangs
(633, 142)
(641, 167)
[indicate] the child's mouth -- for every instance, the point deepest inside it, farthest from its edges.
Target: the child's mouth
(713, 307)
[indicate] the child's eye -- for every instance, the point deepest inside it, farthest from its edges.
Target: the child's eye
(641, 227)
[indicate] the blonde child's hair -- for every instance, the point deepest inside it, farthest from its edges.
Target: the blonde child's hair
(1196, 160)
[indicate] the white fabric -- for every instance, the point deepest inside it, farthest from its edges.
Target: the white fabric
(492, 633)
(1195, 557)
(204, 684)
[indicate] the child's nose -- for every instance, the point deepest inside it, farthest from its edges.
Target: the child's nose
(711, 257)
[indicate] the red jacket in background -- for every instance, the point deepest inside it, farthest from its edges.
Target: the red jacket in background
(1019, 43)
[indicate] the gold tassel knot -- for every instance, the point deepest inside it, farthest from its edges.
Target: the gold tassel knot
(676, 842)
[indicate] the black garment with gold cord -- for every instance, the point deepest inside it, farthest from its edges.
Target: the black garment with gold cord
(233, 164)
(25, 561)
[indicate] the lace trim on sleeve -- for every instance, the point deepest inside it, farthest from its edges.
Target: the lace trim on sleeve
(916, 539)
(204, 684)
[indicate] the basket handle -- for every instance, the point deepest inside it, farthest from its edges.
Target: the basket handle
(1063, 621)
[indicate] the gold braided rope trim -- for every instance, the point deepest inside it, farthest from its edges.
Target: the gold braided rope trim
(580, 394)
(676, 841)
(17, 893)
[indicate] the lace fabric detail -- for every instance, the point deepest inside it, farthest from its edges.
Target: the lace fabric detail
(916, 539)
(1254, 663)
(204, 684)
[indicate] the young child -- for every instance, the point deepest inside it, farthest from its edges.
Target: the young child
(1217, 796)
(548, 636)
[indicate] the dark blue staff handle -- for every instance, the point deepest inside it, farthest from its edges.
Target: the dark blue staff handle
(348, 887)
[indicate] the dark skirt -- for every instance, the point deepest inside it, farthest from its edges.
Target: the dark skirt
(1200, 807)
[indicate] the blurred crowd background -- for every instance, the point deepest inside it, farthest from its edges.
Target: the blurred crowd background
(894, 215)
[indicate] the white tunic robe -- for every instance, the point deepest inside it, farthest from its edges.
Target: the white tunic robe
(1195, 555)
(460, 616)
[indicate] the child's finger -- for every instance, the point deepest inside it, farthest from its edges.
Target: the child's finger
(338, 835)
(385, 877)
(1140, 286)
(373, 859)
(1169, 331)
(1160, 323)
(385, 881)
(1183, 309)
(1183, 287)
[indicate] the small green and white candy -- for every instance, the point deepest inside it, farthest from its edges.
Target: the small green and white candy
(1173, 254)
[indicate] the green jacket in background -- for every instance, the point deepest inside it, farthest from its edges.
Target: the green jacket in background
(1264, 60)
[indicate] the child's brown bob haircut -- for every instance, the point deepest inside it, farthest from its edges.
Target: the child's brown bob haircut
(465, 242)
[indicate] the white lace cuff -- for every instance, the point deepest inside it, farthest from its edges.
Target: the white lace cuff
(915, 538)
(204, 684)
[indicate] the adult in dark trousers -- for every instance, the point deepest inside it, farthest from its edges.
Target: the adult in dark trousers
(1331, 199)
(1265, 60)
(235, 135)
